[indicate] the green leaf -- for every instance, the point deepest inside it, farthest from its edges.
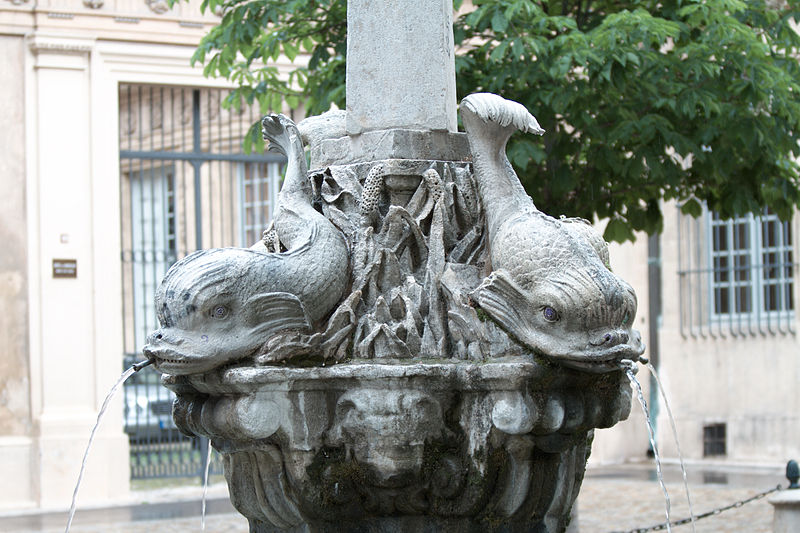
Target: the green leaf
(692, 207)
(618, 230)
(499, 22)
(290, 50)
(253, 141)
(499, 51)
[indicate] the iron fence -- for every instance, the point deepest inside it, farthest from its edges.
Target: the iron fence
(185, 184)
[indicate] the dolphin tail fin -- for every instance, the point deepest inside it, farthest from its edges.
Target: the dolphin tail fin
(277, 130)
(493, 108)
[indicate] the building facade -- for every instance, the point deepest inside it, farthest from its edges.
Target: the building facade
(729, 353)
(718, 311)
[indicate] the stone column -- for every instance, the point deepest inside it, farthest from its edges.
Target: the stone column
(401, 86)
(400, 65)
(16, 428)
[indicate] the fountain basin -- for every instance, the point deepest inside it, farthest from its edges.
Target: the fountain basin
(497, 446)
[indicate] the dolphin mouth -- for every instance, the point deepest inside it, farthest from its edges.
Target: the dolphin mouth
(169, 361)
(600, 361)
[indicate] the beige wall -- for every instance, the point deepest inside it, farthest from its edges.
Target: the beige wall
(628, 440)
(748, 381)
(14, 385)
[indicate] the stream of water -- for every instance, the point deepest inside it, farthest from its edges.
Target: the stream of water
(652, 370)
(651, 434)
(205, 488)
(125, 375)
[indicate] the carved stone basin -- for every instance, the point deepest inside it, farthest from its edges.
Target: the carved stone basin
(499, 446)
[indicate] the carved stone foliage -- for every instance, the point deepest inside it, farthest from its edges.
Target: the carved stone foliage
(480, 446)
(402, 259)
(417, 249)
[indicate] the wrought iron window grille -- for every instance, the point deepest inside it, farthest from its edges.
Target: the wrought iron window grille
(736, 277)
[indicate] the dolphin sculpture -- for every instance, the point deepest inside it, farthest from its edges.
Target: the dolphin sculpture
(219, 305)
(550, 287)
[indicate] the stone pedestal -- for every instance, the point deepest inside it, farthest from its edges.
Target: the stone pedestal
(390, 144)
(786, 505)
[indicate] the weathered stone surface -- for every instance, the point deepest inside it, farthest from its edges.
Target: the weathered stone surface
(390, 144)
(15, 407)
(550, 285)
(468, 445)
(219, 305)
(387, 87)
(786, 505)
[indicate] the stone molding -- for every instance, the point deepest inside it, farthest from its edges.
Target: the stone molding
(390, 144)
(39, 43)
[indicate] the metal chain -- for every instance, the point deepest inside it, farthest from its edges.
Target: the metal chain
(714, 512)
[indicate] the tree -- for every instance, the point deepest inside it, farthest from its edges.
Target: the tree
(643, 101)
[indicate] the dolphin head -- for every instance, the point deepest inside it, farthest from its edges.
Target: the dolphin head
(214, 308)
(551, 289)
(580, 319)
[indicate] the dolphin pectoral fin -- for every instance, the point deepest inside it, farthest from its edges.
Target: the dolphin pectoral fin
(505, 302)
(275, 311)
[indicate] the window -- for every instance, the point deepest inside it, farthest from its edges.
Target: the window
(153, 246)
(736, 275)
(751, 258)
(714, 440)
(259, 186)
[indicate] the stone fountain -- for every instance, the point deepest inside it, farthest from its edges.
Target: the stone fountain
(413, 346)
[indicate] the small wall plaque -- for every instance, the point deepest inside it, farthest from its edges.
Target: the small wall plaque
(65, 268)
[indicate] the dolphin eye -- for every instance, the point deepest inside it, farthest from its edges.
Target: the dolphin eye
(550, 314)
(219, 311)
(626, 318)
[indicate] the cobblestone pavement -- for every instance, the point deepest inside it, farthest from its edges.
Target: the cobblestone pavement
(608, 504)
(611, 500)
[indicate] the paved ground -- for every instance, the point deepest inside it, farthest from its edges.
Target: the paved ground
(621, 499)
(618, 498)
